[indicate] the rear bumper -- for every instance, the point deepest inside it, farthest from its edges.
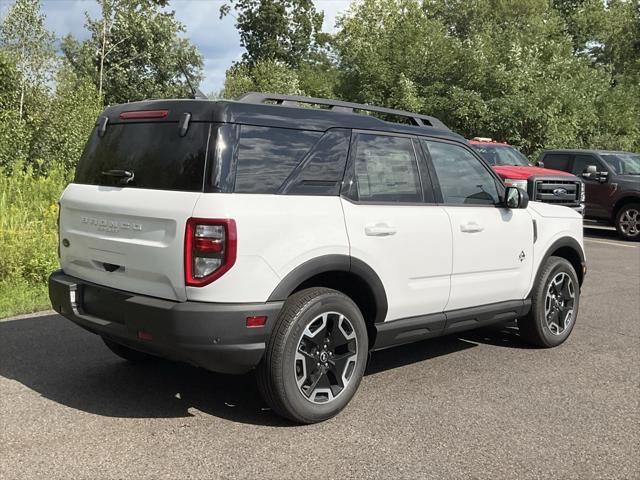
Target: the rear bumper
(213, 336)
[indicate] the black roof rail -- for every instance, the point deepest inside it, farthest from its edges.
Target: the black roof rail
(339, 106)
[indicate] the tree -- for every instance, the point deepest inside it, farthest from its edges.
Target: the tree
(24, 37)
(263, 76)
(135, 52)
(489, 67)
(72, 114)
(284, 31)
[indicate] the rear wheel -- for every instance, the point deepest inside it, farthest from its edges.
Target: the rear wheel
(127, 353)
(628, 222)
(315, 357)
(554, 305)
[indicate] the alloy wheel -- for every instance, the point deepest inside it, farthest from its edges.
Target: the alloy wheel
(326, 357)
(559, 302)
(630, 222)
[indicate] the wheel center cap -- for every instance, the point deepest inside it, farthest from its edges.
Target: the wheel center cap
(324, 356)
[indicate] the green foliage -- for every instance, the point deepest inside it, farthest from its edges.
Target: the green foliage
(489, 67)
(135, 52)
(28, 238)
(24, 38)
(284, 31)
(264, 76)
(72, 114)
(17, 296)
(282, 38)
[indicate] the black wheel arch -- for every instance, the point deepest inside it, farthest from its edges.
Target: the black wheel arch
(621, 202)
(569, 249)
(350, 275)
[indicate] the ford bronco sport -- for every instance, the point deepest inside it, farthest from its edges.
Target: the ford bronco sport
(542, 184)
(262, 234)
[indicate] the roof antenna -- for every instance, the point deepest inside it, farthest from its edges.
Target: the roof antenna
(196, 93)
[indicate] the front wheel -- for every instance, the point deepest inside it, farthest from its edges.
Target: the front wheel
(628, 222)
(315, 357)
(554, 305)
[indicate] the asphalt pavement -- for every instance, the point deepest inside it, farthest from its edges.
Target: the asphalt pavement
(478, 405)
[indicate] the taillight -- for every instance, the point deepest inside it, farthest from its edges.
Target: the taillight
(209, 249)
(143, 114)
(58, 228)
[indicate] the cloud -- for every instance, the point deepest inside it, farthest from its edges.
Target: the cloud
(217, 39)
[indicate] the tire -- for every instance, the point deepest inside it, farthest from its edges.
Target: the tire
(297, 355)
(127, 353)
(554, 305)
(627, 222)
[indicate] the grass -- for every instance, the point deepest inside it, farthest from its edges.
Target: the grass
(28, 239)
(17, 297)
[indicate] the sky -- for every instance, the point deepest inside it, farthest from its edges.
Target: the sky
(217, 40)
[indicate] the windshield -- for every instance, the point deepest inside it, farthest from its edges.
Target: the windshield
(623, 163)
(502, 155)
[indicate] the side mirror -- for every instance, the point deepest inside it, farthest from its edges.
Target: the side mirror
(516, 198)
(590, 172)
(540, 164)
(602, 176)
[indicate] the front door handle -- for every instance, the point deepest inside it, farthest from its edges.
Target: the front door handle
(379, 230)
(471, 227)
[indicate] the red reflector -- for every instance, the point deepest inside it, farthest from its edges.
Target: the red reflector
(253, 322)
(141, 114)
(208, 245)
(142, 335)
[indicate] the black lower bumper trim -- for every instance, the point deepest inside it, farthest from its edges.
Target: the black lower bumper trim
(213, 336)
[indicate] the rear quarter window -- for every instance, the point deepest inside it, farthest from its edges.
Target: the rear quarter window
(268, 155)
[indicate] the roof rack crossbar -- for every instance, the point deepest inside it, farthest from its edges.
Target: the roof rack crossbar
(339, 106)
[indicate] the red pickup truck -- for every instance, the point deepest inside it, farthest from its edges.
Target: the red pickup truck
(542, 184)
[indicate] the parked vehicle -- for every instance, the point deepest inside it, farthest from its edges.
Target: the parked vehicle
(258, 234)
(542, 184)
(612, 182)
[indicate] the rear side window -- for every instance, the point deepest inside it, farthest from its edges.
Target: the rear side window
(557, 161)
(157, 156)
(386, 169)
(268, 155)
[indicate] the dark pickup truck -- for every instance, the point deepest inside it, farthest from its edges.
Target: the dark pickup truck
(612, 181)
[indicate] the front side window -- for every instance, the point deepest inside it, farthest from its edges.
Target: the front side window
(462, 177)
(581, 162)
(386, 169)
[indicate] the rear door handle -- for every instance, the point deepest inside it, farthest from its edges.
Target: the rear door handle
(471, 227)
(379, 230)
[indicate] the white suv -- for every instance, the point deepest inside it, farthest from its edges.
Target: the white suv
(261, 234)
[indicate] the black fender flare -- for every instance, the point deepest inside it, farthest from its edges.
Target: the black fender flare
(334, 263)
(560, 243)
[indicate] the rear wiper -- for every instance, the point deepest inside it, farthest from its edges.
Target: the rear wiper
(125, 176)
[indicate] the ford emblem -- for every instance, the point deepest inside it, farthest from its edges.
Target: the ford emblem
(558, 192)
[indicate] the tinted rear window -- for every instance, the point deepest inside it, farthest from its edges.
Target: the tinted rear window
(159, 158)
(268, 155)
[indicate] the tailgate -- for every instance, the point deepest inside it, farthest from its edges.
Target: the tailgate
(126, 238)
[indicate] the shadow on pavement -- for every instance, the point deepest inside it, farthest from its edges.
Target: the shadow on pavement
(72, 367)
